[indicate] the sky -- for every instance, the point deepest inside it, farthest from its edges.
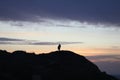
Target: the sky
(87, 27)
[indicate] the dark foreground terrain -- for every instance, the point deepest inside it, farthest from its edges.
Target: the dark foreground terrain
(58, 65)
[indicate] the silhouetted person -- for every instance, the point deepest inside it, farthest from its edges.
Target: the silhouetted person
(59, 46)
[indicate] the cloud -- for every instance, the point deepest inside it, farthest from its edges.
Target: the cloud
(9, 39)
(115, 47)
(1, 42)
(107, 63)
(104, 58)
(47, 22)
(93, 11)
(54, 43)
(12, 41)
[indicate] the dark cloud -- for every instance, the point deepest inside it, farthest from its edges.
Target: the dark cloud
(1, 42)
(9, 39)
(94, 11)
(54, 43)
(12, 41)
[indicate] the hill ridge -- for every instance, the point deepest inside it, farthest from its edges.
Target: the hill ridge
(56, 65)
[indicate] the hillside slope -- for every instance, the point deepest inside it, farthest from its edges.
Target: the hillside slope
(57, 65)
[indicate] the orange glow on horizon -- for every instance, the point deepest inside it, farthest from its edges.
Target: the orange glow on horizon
(46, 49)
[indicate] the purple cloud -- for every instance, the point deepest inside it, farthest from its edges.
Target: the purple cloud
(13, 41)
(93, 11)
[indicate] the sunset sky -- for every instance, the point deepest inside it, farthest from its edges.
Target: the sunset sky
(87, 27)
